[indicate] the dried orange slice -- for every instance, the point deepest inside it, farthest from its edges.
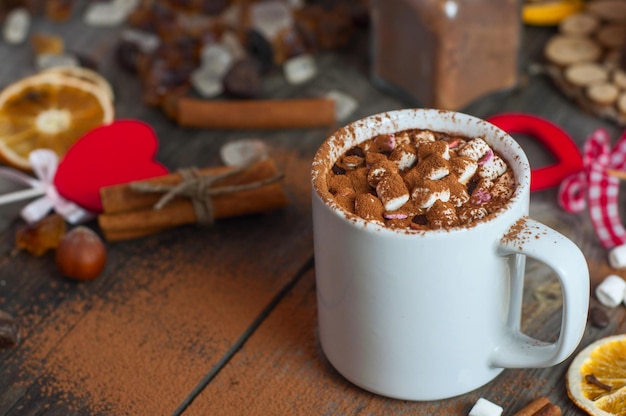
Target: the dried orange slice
(596, 379)
(48, 110)
(84, 74)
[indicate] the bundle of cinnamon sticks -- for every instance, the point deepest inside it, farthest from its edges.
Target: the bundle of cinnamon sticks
(130, 213)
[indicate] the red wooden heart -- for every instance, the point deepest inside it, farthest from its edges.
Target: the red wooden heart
(120, 152)
(555, 139)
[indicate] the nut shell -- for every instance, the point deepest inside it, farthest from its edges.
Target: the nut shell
(81, 254)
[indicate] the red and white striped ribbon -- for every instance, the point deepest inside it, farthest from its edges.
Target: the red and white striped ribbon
(595, 187)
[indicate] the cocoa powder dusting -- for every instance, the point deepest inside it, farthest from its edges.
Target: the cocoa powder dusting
(423, 180)
(140, 353)
(141, 344)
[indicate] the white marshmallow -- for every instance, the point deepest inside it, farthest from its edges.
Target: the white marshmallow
(376, 173)
(345, 104)
(403, 138)
(146, 41)
(424, 136)
(446, 153)
(493, 168)
(484, 407)
(392, 192)
(16, 26)
(395, 203)
(464, 169)
(300, 69)
(474, 149)
(617, 257)
(405, 160)
(610, 292)
(503, 186)
(426, 197)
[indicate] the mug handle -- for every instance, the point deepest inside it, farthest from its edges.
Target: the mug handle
(534, 239)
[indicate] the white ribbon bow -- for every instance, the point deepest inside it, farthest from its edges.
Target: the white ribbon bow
(44, 163)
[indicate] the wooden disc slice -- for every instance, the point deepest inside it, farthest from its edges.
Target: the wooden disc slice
(611, 10)
(619, 78)
(579, 24)
(612, 36)
(603, 94)
(586, 73)
(567, 50)
(587, 59)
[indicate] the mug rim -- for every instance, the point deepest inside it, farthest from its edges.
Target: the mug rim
(351, 134)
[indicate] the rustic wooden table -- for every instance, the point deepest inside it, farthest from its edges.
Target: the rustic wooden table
(222, 320)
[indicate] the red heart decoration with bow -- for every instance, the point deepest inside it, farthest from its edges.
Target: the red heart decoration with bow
(555, 139)
(117, 153)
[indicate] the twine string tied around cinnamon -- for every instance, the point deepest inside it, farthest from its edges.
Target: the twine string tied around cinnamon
(198, 188)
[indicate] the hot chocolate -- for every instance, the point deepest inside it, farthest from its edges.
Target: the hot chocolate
(421, 180)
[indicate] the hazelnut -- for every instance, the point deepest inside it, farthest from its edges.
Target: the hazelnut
(81, 254)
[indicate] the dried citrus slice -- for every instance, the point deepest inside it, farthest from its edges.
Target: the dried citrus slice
(48, 110)
(596, 379)
(84, 74)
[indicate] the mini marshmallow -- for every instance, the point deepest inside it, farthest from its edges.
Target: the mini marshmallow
(617, 257)
(482, 192)
(492, 168)
(395, 215)
(464, 168)
(468, 214)
(456, 143)
(406, 160)
(352, 161)
(610, 292)
(474, 149)
(503, 186)
(480, 196)
(16, 26)
(368, 207)
(386, 142)
(403, 138)
(434, 167)
(437, 173)
(484, 407)
(378, 170)
(404, 156)
(442, 215)
(392, 191)
(424, 150)
(424, 136)
(458, 192)
(428, 193)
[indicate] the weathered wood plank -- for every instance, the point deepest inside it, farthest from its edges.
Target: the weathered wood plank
(181, 303)
(282, 370)
(174, 304)
(177, 302)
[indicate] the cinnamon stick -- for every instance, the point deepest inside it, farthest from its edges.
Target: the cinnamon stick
(549, 410)
(541, 406)
(128, 213)
(253, 114)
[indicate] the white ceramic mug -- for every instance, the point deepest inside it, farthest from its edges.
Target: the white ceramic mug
(435, 314)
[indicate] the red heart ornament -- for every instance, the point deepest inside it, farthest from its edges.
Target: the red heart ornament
(117, 153)
(555, 139)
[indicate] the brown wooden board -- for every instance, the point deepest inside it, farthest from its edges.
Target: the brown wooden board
(226, 315)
